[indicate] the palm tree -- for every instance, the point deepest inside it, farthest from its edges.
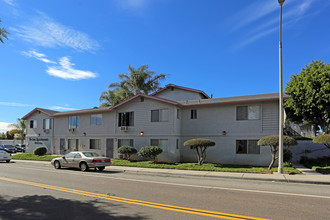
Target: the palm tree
(135, 82)
(3, 33)
(20, 126)
(139, 80)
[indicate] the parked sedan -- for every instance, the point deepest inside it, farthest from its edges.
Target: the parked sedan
(5, 156)
(8, 148)
(82, 160)
(20, 148)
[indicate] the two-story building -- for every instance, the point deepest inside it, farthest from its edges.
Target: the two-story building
(166, 118)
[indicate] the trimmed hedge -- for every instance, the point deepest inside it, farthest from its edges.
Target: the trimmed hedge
(150, 152)
(40, 151)
(127, 151)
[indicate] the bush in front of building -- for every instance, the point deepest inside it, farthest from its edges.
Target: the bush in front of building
(200, 145)
(127, 151)
(40, 151)
(150, 152)
(287, 156)
(323, 139)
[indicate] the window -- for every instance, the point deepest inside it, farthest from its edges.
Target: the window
(247, 147)
(126, 119)
(248, 112)
(73, 121)
(73, 144)
(125, 142)
(96, 119)
(33, 123)
(95, 144)
(47, 123)
(159, 115)
(193, 114)
(160, 143)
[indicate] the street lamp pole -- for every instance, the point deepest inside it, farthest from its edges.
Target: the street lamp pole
(281, 112)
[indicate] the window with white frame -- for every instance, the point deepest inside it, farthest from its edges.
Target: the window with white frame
(126, 119)
(73, 121)
(47, 123)
(163, 143)
(247, 147)
(159, 115)
(73, 144)
(95, 144)
(96, 119)
(33, 123)
(251, 112)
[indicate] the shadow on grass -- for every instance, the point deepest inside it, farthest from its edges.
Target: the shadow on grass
(47, 207)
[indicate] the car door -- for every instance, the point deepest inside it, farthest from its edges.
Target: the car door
(76, 160)
(68, 160)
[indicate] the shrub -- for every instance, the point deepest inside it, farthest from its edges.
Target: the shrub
(150, 152)
(40, 151)
(200, 145)
(287, 156)
(323, 139)
(127, 151)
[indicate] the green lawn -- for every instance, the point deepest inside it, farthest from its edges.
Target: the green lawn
(321, 165)
(288, 168)
(31, 156)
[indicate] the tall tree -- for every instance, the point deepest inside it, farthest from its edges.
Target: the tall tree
(136, 81)
(309, 96)
(20, 127)
(3, 34)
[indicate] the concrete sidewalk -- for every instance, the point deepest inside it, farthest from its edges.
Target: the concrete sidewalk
(306, 177)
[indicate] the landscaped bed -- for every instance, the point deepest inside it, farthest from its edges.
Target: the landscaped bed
(288, 168)
(321, 165)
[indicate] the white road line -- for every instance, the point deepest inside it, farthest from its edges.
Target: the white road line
(181, 184)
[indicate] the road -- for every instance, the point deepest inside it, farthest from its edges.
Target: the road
(38, 191)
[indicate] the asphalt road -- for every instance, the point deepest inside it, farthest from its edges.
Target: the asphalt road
(38, 191)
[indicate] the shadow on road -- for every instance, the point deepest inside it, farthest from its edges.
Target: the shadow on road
(48, 207)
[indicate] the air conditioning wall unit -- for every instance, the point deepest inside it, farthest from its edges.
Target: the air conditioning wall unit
(71, 130)
(124, 128)
(46, 131)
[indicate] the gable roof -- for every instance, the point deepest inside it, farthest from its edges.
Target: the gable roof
(182, 88)
(45, 111)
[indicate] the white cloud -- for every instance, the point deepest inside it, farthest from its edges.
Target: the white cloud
(39, 56)
(4, 126)
(10, 2)
(65, 70)
(15, 104)
(43, 31)
(60, 108)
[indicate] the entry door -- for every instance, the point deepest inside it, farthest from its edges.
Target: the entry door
(109, 152)
(62, 146)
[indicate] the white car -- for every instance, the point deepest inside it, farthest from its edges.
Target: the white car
(5, 156)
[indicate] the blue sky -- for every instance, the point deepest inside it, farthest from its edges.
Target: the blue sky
(62, 54)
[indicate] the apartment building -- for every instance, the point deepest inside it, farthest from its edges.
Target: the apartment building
(166, 118)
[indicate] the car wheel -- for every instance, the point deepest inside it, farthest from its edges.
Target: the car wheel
(100, 168)
(83, 166)
(7, 161)
(57, 164)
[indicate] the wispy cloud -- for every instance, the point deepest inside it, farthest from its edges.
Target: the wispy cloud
(258, 19)
(65, 70)
(10, 2)
(44, 31)
(39, 56)
(14, 104)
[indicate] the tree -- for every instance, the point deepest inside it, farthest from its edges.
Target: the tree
(150, 152)
(323, 139)
(200, 145)
(273, 142)
(3, 34)
(9, 136)
(19, 128)
(136, 81)
(309, 96)
(127, 151)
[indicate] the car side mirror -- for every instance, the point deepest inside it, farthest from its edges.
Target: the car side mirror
(63, 157)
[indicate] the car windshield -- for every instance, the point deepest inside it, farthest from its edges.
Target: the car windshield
(90, 154)
(9, 146)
